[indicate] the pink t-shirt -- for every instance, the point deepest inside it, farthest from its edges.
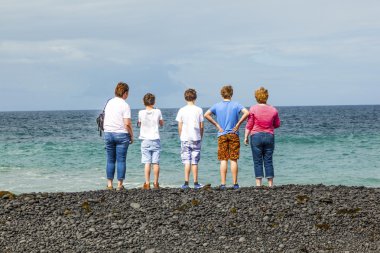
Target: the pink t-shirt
(262, 118)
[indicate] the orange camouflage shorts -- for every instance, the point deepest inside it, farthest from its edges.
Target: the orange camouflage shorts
(228, 147)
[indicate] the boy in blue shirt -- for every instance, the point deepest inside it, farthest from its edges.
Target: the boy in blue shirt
(227, 122)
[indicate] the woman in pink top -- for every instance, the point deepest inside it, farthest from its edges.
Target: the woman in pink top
(262, 121)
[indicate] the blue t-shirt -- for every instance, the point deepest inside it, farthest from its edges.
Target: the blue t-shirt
(227, 115)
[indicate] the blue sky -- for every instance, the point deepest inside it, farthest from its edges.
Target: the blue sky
(68, 54)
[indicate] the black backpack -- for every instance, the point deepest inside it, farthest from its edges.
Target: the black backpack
(100, 120)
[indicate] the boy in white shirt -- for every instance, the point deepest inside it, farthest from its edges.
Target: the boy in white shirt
(149, 121)
(190, 128)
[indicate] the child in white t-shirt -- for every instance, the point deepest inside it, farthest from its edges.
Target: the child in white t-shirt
(190, 128)
(149, 122)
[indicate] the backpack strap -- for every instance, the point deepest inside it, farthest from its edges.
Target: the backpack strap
(104, 108)
(100, 119)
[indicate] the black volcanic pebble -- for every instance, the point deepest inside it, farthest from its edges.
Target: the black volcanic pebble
(291, 218)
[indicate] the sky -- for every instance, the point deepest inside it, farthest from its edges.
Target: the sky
(69, 54)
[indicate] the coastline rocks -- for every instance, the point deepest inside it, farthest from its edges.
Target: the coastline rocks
(291, 218)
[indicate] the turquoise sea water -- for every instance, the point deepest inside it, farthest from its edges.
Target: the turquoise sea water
(62, 151)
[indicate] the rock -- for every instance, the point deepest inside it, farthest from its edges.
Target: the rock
(217, 221)
(135, 205)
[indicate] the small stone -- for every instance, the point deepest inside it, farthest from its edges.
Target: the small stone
(150, 250)
(266, 218)
(135, 205)
(242, 239)
(91, 229)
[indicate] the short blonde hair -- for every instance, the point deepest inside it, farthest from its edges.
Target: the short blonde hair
(227, 91)
(261, 95)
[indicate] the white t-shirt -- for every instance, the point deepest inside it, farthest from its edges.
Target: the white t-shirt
(191, 116)
(150, 122)
(116, 110)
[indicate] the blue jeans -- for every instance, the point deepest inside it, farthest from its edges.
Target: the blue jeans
(117, 147)
(262, 146)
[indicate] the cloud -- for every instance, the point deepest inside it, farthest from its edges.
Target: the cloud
(73, 53)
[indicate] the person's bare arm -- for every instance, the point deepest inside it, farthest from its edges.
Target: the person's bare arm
(242, 119)
(201, 127)
(208, 116)
(246, 136)
(161, 122)
(128, 126)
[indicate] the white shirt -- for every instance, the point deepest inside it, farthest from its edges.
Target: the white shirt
(115, 112)
(191, 116)
(150, 122)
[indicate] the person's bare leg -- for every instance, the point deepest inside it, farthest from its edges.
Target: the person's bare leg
(109, 183)
(223, 171)
(120, 183)
(147, 173)
(270, 182)
(259, 181)
(234, 171)
(194, 170)
(156, 169)
(187, 171)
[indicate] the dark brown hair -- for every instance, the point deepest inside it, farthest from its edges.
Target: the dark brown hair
(190, 95)
(227, 91)
(149, 99)
(120, 89)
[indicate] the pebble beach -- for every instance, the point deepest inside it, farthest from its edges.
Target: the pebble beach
(289, 218)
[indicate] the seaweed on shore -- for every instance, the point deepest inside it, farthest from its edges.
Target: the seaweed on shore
(302, 199)
(233, 210)
(186, 206)
(86, 207)
(7, 195)
(323, 226)
(67, 212)
(195, 202)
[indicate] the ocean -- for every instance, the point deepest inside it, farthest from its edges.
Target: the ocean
(61, 151)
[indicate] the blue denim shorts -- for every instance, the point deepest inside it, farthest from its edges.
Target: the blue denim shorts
(150, 151)
(190, 152)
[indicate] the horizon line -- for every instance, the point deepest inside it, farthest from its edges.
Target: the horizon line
(166, 108)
